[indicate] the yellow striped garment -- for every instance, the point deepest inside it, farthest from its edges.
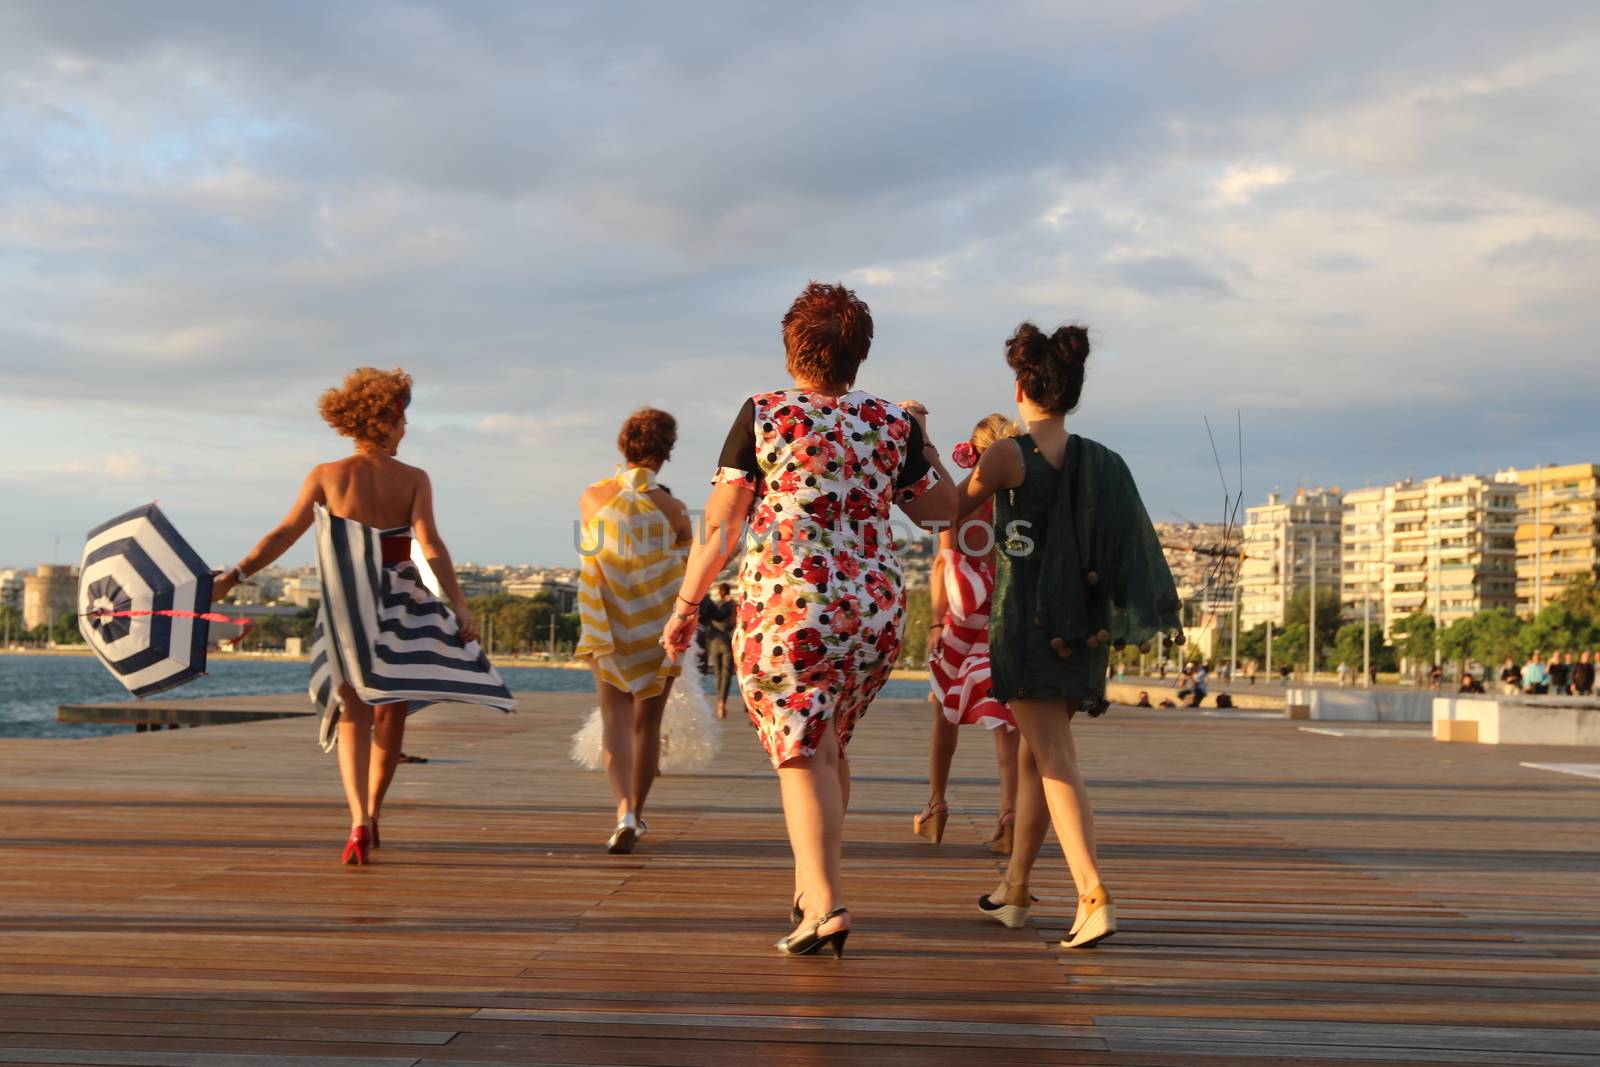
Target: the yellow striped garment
(628, 581)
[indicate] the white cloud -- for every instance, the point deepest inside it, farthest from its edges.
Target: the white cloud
(1241, 182)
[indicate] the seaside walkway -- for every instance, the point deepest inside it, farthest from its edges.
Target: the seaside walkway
(1286, 897)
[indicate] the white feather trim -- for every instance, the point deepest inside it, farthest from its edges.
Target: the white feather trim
(691, 736)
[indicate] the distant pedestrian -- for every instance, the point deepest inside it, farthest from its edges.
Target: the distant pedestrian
(1535, 679)
(1560, 671)
(1344, 674)
(1469, 684)
(1435, 676)
(1583, 675)
(1511, 677)
(717, 618)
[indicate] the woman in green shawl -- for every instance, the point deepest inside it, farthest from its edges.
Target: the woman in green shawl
(1079, 572)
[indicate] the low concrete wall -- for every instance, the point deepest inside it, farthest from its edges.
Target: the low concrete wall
(1363, 705)
(1517, 720)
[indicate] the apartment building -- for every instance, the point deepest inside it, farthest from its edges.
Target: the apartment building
(1557, 533)
(1362, 554)
(1289, 545)
(1443, 546)
(1449, 543)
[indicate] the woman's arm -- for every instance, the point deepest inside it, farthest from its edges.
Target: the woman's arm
(727, 510)
(276, 543)
(438, 556)
(1000, 468)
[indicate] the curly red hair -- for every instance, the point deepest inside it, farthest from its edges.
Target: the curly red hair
(648, 437)
(826, 334)
(368, 404)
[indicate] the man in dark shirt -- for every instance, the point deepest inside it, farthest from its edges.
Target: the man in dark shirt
(716, 637)
(1560, 668)
(1583, 675)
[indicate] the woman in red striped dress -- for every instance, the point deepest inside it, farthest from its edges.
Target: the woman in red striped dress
(958, 657)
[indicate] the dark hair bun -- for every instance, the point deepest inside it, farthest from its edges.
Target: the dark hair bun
(1049, 368)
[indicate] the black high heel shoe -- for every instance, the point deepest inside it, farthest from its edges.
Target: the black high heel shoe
(809, 943)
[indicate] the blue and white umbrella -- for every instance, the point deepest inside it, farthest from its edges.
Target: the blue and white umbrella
(143, 598)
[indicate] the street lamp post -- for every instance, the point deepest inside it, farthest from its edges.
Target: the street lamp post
(1311, 638)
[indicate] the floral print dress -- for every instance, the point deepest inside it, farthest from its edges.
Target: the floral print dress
(822, 603)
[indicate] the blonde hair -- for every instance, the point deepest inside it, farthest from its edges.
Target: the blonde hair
(991, 428)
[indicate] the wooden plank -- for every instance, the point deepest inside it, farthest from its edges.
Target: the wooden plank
(1285, 898)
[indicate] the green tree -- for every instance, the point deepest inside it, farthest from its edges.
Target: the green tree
(1291, 644)
(1488, 637)
(1414, 637)
(65, 631)
(919, 606)
(11, 623)
(1298, 611)
(1347, 648)
(1253, 644)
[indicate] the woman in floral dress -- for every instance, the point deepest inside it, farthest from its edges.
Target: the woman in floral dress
(814, 470)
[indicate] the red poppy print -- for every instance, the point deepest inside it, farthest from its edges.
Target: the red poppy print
(821, 615)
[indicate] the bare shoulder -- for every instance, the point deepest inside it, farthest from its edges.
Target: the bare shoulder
(594, 498)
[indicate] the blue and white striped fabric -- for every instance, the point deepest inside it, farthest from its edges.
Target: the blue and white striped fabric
(137, 563)
(382, 630)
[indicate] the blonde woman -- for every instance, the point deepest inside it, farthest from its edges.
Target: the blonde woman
(958, 654)
(634, 537)
(385, 645)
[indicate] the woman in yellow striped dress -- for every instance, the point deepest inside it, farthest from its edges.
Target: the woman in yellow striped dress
(635, 534)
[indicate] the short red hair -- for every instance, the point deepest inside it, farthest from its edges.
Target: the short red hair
(368, 404)
(826, 334)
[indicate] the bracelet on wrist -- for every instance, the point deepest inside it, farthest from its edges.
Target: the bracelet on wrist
(690, 603)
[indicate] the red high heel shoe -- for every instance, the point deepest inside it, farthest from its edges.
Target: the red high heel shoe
(355, 849)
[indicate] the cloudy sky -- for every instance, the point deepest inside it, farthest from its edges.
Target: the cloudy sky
(1371, 229)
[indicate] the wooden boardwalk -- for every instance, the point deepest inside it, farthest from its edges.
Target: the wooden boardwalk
(1287, 897)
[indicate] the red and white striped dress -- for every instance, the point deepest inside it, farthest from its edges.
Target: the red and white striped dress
(959, 671)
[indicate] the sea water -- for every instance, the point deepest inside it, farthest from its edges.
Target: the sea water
(32, 686)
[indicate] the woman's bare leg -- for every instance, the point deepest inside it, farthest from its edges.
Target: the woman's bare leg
(647, 744)
(1033, 818)
(941, 751)
(1047, 731)
(616, 723)
(1006, 743)
(388, 735)
(355, 753)
(813, 811)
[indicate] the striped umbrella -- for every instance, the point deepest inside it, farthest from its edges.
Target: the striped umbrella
(143, 601)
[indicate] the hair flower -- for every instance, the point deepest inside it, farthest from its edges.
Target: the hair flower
(965, 456)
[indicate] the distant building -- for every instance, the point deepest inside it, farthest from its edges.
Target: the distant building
(1557, 534)
(476, 582)
(1288, 546)
(1204, 581)
(1443, 547)
(565, 594)
(49, 593)
(11, 589)
(1362, 555)
(303, 590)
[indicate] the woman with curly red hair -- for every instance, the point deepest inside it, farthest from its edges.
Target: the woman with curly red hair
(815, 470)
(385, 646)
(635, 534)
